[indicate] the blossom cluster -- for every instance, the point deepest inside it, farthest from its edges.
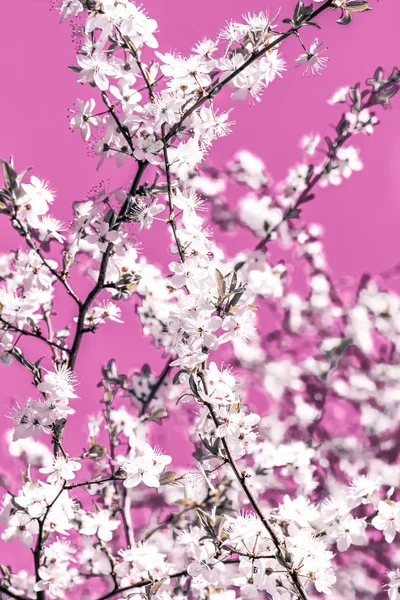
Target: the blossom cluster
(279, 503)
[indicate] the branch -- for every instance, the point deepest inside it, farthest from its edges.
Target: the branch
(171, 218)
(25, 234)
(123, 129)
(171, 518)
(241, 478)
(40, 595)
(126, 517)
(83, 309)
(331, 156)
(5, 590)
(133, 50)
(139, 584)
(217, 87)
(39, 336)
(156, 387)
(92, 482)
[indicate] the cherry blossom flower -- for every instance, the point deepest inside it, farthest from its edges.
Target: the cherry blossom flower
(35, 201)
(313, 60)
(61, 469)
(104, 235)
(146, 466)
(95, 68)
(189, 274)
(70, 7)
(298, 511)
(84, 118)
(388, 519)
(50, 227)
(99, 523)
(240, 326)
(394, 585)
(349, 531)
(58, 384)
(143, 213)
(21, 526)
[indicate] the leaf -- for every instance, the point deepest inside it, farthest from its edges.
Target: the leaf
(219, 525)
(233, 302)
(182, 396)
(284, 558)
(239, 265)
(206, 521)
(221, 287)
(310, 172)
(177, 376)
(355, 96)
(212, 448)
(302, 12)
(386, 94)
(357, 6)
(21, 175)
(233, 281)
(342, 126)
(298, 10)
(5, 571)
(252, 307)
(146, 370)
(156, 586)
(167, 477)
(24, 478)
(345, 19)
(96, 452)
(157, 415)
(193, 386)
(9, 175)
(328, 142)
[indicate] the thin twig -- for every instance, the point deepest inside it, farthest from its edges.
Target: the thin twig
(171, 216)
(38, 335)
(40, 595)
(171, 518)
(92, 482)
(25, 234)
(139, 584)
(123, 129)
(154, 388)
(5, 590)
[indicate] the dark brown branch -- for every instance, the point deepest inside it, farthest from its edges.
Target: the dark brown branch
(83, 309)
(155, 388)
(139, 584)
(5, 590)
(92, 482)
(38, 335)
(124, 130)
(40, 595)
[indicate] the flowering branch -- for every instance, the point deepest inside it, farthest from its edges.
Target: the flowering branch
(304, 483)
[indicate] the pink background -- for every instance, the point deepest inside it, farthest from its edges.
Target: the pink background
(361, 216)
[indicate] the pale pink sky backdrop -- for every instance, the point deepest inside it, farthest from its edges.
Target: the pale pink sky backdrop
(361, 216)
